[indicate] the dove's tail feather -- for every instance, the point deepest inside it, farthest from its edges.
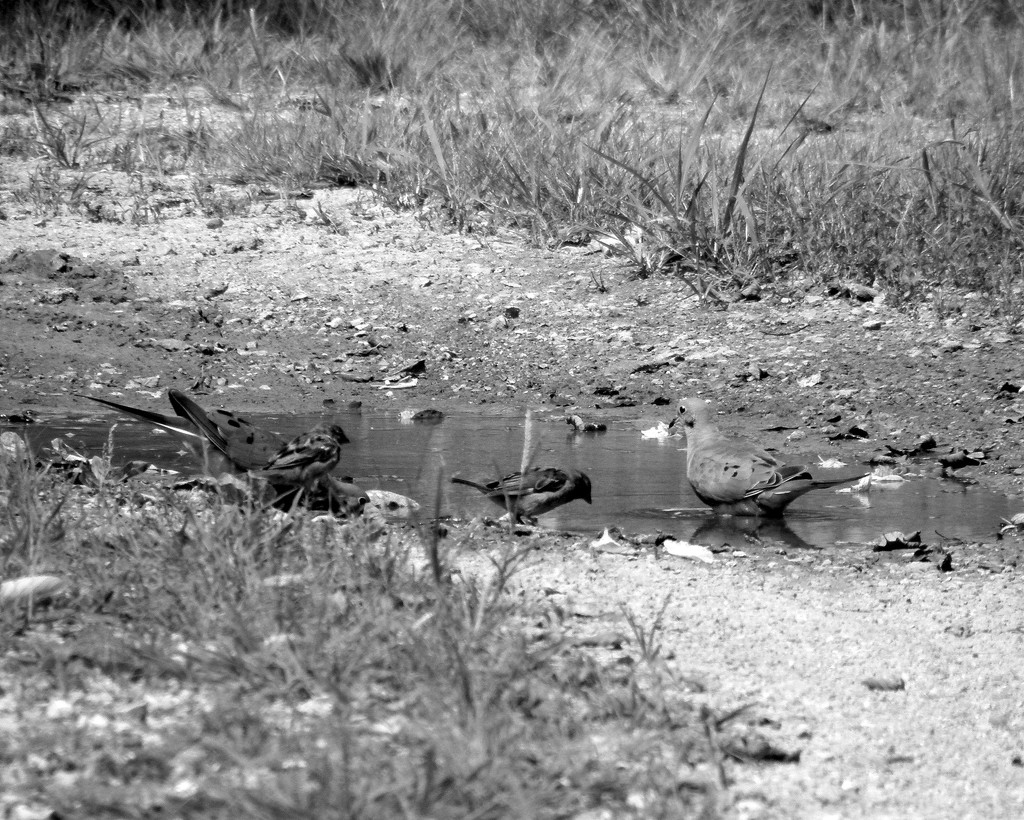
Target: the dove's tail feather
(774, 501)
(185, 407)
(175, 424)
(476, 485)
(820, 483)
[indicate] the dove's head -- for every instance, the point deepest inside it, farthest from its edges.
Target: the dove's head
(692, 412)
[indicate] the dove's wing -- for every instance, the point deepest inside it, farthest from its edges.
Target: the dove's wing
(247, 446)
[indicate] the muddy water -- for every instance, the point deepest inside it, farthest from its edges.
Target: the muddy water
(639, 484)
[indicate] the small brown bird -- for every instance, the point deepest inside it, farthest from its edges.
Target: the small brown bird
(535, 492)
(305, 458)
(734, 477)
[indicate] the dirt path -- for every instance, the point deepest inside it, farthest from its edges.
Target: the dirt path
(278, 313)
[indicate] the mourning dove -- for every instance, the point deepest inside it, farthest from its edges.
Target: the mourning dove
(534, 492)
(732, 475)
(224, 440)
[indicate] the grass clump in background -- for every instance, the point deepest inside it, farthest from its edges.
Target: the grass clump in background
(728, 142)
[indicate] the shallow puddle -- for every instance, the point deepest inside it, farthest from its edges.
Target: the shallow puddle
(639, 484)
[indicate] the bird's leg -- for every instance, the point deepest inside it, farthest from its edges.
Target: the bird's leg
(280, 497)
(303, 490)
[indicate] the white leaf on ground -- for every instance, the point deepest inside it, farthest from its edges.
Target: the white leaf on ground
(885, 475)
(287, 579)
(605, 540)
(683, 549)
(830, 463)
(861, 486)
(1015, 524)
(31, 586)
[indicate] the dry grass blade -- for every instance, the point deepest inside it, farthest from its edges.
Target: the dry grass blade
(926, 168)
(741, 158)
(983, 190)
(530, 445)
(435, 145)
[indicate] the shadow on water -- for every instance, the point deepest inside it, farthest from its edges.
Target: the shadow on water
(639, 484)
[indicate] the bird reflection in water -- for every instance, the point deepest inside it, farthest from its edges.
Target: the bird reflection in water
(739, 531)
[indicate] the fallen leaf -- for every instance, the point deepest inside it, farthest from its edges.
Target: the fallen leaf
(659, 431)
(605, 540)
(755, 746)
(885, 475)
(429, 414)
(854, 432)
(923, 444)
(683, 549)
(893, 684)
(287, 579)
(31, 587)
(609, 638)
(896, 540)
(861, 486)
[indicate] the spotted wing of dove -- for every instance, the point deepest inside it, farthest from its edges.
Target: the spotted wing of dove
(734, 477)
(240, 441)
(224, 441)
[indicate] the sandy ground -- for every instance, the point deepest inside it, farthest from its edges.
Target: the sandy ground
(797, 639)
